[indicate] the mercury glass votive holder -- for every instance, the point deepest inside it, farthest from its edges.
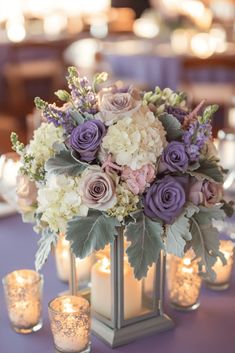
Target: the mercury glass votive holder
(70, 324)
(223, 272)
(184, 283)
(23, 294)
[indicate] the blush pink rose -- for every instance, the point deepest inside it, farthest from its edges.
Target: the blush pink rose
(205, 193)
(26, 193)
(138, 180)
(97, 189)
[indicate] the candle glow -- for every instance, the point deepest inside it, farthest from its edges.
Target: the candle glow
(183, 283)
(23, 297)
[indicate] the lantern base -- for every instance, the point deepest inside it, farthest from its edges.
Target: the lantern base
(124, 335)
(217, 287)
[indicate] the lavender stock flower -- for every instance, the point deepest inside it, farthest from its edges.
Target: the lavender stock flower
(165, 199)
(86, 139)
(195, 138)
(83, 97)
(60, 117)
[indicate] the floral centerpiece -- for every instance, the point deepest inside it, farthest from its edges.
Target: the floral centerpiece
(112, 158)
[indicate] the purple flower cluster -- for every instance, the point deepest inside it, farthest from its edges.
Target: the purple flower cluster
(86, 139)
(195, 138)
(59, 117)
(83, 97)
(178, 113)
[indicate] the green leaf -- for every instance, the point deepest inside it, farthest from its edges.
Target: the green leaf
(64, 163)
(45, 243)
(178, 233)
(205, 243)
(40, 103)
(209, 112)
(63, 95)
(209, 170)
(91, 233)
(172, 126)
(228, 208)
(146, 240)
(77, 117)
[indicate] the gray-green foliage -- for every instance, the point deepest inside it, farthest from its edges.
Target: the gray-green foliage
(179, 233)
(146, 237)
(48, 238)
(205, 239)
(172, 126)
(91, 233)
(210, 170)
(64, 163)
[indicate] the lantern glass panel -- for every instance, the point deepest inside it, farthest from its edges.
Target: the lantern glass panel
(101, 283)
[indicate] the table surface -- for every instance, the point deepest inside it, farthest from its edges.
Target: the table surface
(209, 329)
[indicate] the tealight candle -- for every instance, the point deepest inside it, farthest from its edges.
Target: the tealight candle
(62, 257)
(184, 283)
(70, 324)
(101, 283)
(23, 289)
(223, 272)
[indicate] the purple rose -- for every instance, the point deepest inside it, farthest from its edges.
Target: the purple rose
(165, 199)
(86, 139)
(174, 158)
(178, 113)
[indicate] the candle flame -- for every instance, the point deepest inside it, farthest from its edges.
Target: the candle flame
(68, 307)
(105, 264)
(187, 261)
(187, 270)
(19, 279)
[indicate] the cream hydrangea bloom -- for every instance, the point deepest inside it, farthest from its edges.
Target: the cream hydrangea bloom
(41, 146)
(59, 201)
(136, 140)
(127, 202)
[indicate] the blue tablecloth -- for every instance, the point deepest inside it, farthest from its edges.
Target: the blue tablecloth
(208, 330)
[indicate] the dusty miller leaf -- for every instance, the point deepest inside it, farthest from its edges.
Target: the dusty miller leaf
(179, 233)
(64, 163)
(207, 214)
(146, 240)
(209, 170)
(172, 127)
(48, 238)
(91, 233)
(205, 243)
(77, 117)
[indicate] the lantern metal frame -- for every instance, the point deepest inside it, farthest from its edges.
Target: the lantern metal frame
(118, 330)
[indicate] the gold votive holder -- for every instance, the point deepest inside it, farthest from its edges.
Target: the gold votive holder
(223, 272)
(23, 294)
(70, 324)
(184, 283)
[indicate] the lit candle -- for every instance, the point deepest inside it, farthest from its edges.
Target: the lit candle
(70, 323)
(9, 168)
(223, 272)
(149, 281)
(101, 283)
(184, 283)
(23, 296)
(62, 257)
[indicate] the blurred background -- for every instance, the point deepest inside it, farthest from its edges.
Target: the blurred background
(182, 44)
